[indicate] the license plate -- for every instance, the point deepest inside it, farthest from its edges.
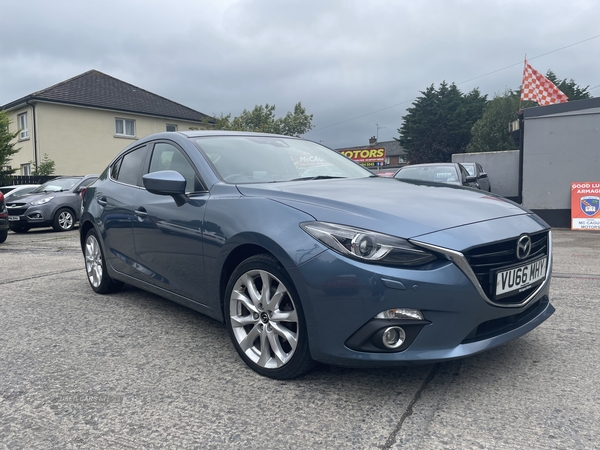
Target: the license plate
(14, 218)
(520, 278)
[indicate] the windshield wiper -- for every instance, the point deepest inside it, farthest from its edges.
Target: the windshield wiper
(318, 177)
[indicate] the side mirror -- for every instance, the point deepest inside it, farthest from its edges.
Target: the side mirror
(483, 175)
(471, 179)
(166, 182)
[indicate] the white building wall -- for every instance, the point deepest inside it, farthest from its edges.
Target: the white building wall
(83, 140)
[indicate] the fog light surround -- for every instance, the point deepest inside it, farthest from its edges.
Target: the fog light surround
(400, 313)
(393, 337)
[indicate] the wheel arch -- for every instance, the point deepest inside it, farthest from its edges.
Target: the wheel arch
(84, 228)
(234, 259)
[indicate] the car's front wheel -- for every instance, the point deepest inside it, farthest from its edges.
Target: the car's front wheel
(265, 319)
(64, 220)
(95, 266)
(3, 235)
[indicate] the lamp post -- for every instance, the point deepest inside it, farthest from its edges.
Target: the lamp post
(377, 134)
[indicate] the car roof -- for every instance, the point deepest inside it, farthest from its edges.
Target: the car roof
(429, 165)
(201, 133)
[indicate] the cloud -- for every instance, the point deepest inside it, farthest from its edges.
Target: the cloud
(343, 59)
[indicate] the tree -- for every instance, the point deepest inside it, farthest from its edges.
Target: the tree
(569, 87)
(262, 119)
(439, 123)
(490, 133)
(46, 167)
(7, 145)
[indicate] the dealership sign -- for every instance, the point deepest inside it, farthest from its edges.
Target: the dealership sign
(585, 206)
(367, 157)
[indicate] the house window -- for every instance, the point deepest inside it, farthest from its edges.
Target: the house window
(23, 128)
(125, 127)
(26, 169)
(171, 127)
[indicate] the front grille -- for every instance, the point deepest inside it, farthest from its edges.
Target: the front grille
(488, 258)
(16, 209)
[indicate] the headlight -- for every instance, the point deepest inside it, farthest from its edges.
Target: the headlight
(368, 246)
(42, 201)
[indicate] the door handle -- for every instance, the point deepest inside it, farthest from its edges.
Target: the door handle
(141, 212)
(102, 201)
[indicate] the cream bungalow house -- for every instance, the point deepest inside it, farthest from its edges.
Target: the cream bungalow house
(83, 122)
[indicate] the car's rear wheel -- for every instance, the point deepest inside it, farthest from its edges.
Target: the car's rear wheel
(3, 235)
(64, 220)
(95, 266)
(265, 319)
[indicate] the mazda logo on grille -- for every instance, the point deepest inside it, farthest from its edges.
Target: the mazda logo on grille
(523, 247)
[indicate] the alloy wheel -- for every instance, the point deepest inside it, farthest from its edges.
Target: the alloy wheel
(264, 319)
(93, 261)
(65, 220)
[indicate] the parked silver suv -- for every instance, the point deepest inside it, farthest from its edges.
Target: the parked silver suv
(56, 204)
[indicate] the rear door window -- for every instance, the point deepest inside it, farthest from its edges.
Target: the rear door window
(129, 168)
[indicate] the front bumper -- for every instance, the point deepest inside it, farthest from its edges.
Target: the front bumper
(33, 216)
(341, 297)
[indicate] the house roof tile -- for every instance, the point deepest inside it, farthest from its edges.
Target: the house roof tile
(98, 90)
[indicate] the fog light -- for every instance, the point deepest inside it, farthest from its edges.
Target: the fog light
(393, 337)
(400, 313)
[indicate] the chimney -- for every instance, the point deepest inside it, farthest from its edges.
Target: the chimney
(373, 140)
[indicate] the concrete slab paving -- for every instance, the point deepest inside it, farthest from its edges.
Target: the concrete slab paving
(132, 370)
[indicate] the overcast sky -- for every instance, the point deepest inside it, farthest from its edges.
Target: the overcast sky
(354, 65)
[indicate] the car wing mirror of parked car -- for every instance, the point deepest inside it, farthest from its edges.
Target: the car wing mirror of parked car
(471, 179)
(483, 175)
(166, 182)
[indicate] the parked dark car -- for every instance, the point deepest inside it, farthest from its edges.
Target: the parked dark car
(475, 169)
(450, 173)
(3, 219)
(56, 203)
(350, 269)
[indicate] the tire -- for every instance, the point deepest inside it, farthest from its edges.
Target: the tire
(21, 229)
(3, 235)
(64, 220)
(268, 332)
(95, 266)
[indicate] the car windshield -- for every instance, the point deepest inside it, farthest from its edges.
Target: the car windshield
(439, 174)
(251, 159)
(58, 184)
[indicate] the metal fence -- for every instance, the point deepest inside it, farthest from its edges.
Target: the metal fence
(16, 180)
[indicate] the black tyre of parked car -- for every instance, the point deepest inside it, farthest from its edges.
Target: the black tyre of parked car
(267, 329)
(20, 229)
(64, 220)
(3, 236)
(95, 266)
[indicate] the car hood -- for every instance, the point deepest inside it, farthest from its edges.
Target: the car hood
(28, 198)
(401, 208)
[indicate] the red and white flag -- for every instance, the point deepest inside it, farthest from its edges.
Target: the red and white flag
(540, 89)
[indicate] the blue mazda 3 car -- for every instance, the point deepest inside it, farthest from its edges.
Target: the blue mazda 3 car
(308, 257)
